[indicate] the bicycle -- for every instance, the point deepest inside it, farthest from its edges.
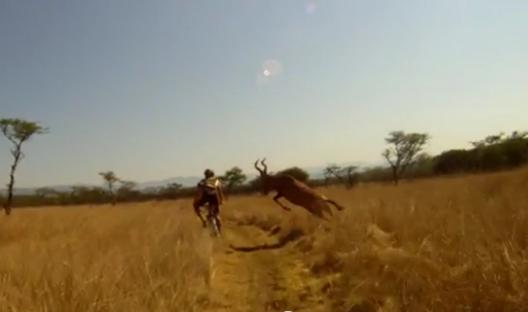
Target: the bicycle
(213, 223)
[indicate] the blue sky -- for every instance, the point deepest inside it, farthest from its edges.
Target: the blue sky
(155, 89)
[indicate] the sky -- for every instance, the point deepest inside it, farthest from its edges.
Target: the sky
(158, 89)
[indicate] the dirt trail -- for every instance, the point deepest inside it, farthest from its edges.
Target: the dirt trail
(272, 279)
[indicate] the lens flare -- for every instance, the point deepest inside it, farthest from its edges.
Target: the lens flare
(271, 68)
(311, 8)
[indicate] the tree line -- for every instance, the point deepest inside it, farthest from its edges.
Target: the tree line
(494, 152)
(404, 156)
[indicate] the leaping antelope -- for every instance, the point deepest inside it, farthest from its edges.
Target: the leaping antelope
(295, 192)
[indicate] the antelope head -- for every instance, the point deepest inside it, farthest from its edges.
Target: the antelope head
(264, 176)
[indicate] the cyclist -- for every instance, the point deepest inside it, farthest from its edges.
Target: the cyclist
(209, 193)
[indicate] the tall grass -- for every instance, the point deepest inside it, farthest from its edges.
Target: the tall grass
(443, 244)
(127, 258)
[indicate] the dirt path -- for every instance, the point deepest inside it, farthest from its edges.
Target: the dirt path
(272, 279)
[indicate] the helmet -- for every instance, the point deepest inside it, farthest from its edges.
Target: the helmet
(209, 173)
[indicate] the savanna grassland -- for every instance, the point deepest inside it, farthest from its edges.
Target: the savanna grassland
(443, 244)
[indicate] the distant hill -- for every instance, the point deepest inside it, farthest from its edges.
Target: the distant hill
(185, 181)
(316, 172)
(31, 190)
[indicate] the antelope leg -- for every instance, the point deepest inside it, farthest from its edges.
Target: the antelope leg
(338, 206)
(276, 199)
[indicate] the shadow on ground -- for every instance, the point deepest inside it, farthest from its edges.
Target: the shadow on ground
(291, 236)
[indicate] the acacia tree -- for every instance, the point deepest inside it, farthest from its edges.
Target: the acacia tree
(233, 177)
(345, 175)
(332, 172)
(110, 179)
(403, 152)
(17, 131)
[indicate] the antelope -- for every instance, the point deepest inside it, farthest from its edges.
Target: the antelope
(295, 192)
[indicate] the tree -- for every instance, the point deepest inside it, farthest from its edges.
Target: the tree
(495, 152)
(126, 190)
(127, 185)
(110, 179)
(296, 173)
(233, 177)
(345, 175)
(454, 161)
(515, 149)
(378, 173)
(83, 194)
(17, 131)
(423, 166)
(518, 135)
(44, 192)
(403, 152)
(333, 172)
(351, 175)
(170, 190)
(489, 140)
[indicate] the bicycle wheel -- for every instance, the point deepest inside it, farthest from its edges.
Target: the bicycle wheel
(213, 225)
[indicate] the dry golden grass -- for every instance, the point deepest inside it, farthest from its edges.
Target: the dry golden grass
(445, 244)
(141, 257)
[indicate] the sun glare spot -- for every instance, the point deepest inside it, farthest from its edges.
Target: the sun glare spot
(311, 8)
(270, 68)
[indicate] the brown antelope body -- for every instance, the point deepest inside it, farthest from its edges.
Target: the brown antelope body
(295, 192)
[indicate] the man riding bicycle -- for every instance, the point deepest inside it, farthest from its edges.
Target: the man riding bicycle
(209, 193)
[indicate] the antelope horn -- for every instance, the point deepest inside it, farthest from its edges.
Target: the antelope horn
(257, 167)
(263, 163)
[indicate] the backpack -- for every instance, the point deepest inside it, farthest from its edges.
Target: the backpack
(210, 185)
